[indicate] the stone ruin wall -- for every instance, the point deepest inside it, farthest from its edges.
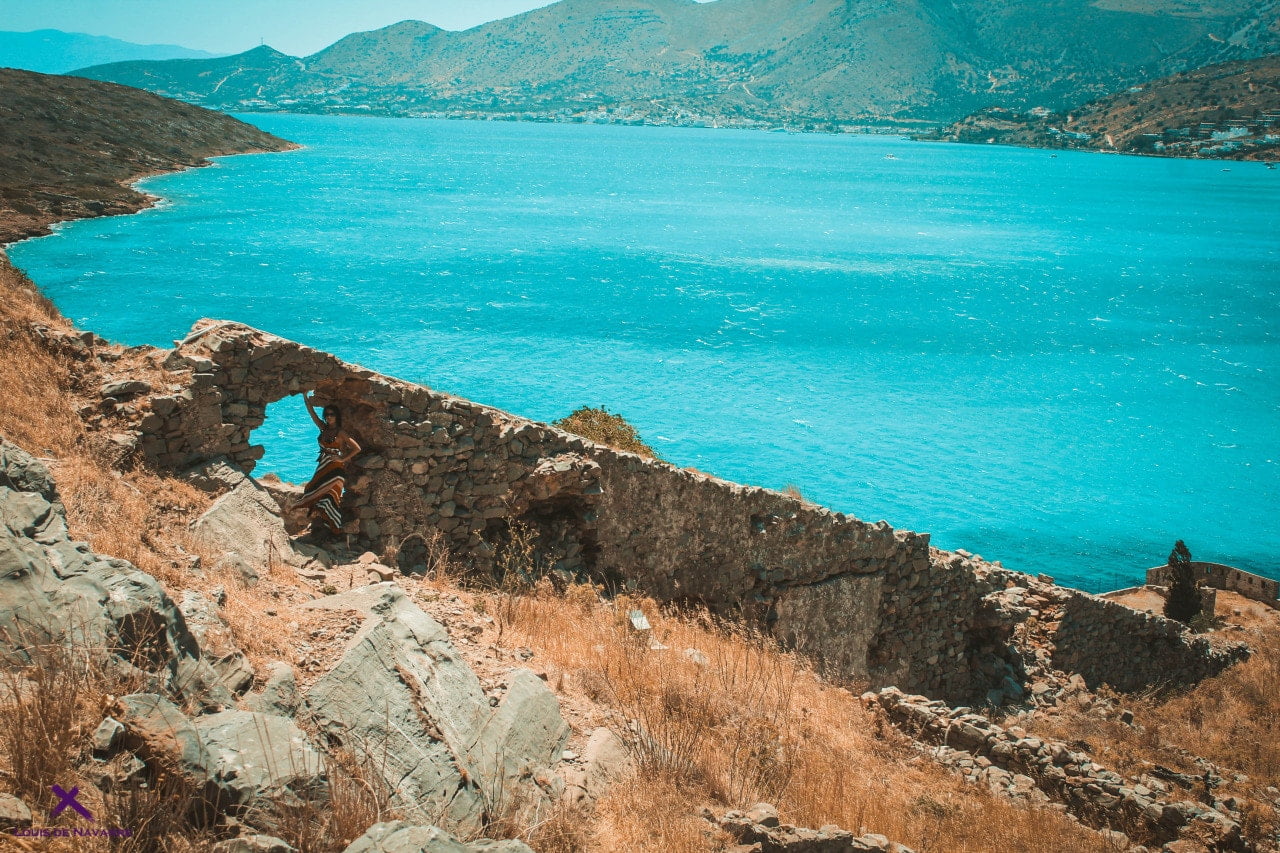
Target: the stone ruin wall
(1219, 576)
(869, 604)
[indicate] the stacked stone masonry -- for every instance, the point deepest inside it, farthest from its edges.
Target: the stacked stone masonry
(1219, 576)
(1014, 763)
(869, 604)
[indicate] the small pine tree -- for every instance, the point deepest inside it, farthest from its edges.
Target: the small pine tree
(1183, 602)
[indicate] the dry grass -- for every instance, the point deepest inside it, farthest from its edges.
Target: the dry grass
(724, 718)
(48, 710)
(136, 516)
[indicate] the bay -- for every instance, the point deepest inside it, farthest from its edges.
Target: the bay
(1062, 362)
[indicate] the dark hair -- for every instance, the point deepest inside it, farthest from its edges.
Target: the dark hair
(332, 416)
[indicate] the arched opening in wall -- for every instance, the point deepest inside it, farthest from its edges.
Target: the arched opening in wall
(288, 437)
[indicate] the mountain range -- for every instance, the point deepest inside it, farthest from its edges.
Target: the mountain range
(57, 52)
(807, 63)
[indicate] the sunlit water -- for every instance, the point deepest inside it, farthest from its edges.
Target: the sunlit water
(1062, 362)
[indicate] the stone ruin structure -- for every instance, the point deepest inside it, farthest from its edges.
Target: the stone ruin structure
(869, 604)
(1219, 576)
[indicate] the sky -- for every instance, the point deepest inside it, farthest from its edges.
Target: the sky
(297, 27)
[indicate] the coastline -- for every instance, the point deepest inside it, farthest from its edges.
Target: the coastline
(136, 201)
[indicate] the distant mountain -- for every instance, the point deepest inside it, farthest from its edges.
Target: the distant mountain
(804, 63)
(56, 52)
(1227, 111)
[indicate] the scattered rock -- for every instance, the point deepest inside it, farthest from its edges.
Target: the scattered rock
(106, 737)
(761, 829)
(14, 813)
(121, 389)
(402, 837)
(252, 844)
(234, 672)
(279, 695)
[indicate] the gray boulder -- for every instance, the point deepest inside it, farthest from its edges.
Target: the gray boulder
(260, 756)
(279, 695)
(605, 760)
(159, 734)
(14, 813)
(247, 520)
(403, 693)
(401, 837)
(523, 738)
(55, 590)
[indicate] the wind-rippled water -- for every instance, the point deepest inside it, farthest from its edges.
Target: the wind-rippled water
(1062, 362)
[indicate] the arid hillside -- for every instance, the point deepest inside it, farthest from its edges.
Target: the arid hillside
(801, 63)
(68, 147)
(1229, 111)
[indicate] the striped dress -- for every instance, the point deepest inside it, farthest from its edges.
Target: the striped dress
(323, 494)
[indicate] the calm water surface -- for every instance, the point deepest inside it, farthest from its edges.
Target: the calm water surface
(1065, 363)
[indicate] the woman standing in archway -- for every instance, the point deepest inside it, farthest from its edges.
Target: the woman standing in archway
(323, 494)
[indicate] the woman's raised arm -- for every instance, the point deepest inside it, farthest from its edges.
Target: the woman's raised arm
(311, 410)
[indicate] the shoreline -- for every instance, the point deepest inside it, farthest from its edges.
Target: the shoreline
(907, 132)
(138, 200)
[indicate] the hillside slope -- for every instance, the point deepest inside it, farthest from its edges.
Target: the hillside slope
(1227, 111)
(805, 62)
(68, 144)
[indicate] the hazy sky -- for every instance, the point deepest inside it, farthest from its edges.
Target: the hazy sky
(297, 27)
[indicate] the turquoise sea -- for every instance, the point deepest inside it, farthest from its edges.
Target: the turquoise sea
(1062, 362)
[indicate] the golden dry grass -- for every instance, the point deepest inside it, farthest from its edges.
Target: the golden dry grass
(734, 721)
(136, 516)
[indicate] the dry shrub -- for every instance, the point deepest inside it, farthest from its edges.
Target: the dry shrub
(651, 813)
(603, 427)
(49, 707)
(357, 800)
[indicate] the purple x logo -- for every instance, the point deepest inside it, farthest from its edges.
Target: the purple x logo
(68, 798)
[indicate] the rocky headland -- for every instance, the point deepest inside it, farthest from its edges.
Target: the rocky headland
(525, 639)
